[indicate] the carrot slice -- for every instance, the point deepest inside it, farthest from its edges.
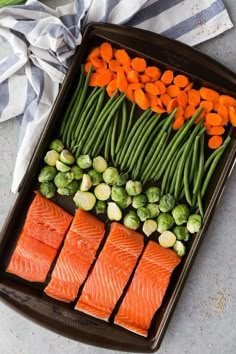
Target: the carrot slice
(93, 79)
(141, 99)
(173, 90)
(126, 68)
(167, 77)
(207, 125)
(215, 141)
(216, 106)
(199, 118)
(182, 98)
(207, 105)
(232, 116)
(161, 86)
(194, 97)
(111, 87)
(209, 94)
(153, 72)
(106, 51)
(172, 105)
(133, 76)
(151, 88)
(224, 113)
(188, 87)
(178, 123)
(144, 78)
(122, 82)
(122, 57)
(136, 86)
(130, 94)
(154, 100)
(227, 100)
(87, 67)
(95, 52)
(97, 63)
(216, 131)
(139, 64)
(101, 69)
(165, 99)
(180, 112)
(181, 81)
(114, 65)
(214, 119)
(104, 78)
(189, 111)
(158, 109)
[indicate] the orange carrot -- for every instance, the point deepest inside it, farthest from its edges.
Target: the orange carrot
(188, 87)
(144, 78)
(189, 111)
(93, 79)
(182, 98)
(151, 88)
(167, 77)
(165, 99)
(158, 109)
(133, 76)
(122, 82)
(214, 119)
(207, 105)
(104, 78)
(194, 97)
(139, 64)
(207, 125)
(87, 67)
(97, 63)
(227, 100)
(161, 87)
(232, 116)
(102, 68)
(215, 141)
(209, 94)
(154, 100)
(95, 52)
(122, 57)
(111, 87)
(181, 81)
(114, 65)
(172, 105)
(216, 106)
(224, 113)
(130, 94)
(172, 90)
(216, 131)
(135, 86)
(178, 123)
(126, 68)
(106, 51)
(200, 117)
(141, 99)
(179, 113)
(153, 72)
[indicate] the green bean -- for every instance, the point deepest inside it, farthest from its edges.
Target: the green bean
(123, 128)
(187, 179)
(113, 137)
(165, 177)
(173, 182)
(173, 167)
(107, 144)
(200, 168)
(131, 117)
(212, 156)
(199, 203)
(195, 157)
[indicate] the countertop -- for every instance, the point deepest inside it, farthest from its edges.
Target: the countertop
(205, 317)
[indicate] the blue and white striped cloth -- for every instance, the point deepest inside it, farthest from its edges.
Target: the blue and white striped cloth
(41, 41)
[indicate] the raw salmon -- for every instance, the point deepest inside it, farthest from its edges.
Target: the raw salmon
(111, 272)
(147, 288)
(43, 232)
(76, 257)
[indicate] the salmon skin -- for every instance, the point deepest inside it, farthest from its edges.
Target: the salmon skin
(147, 289)
(76, 257)
(43, 232)
(111, 272)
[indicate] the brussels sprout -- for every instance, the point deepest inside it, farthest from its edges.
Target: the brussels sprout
(47, 189)
(67, 157)
(194, 223)
(47, 173)
(102, 191)
(153, 210)
(118, 193)
(122, 179)
(56, 145)
(51, 158)
(78, 172)
(110, 176)
(84, 200)
(70, 189)
(181, 233)
(149, 226)
(99, 164)
(62, 179)
(131, 220)
(139, 201)
(86, 183)
(167, 203)
(113, 212)
(180, 214)
(100, 207)
(124, 203)
(165, 222)
(133, 187)
(95, 176)
(143, 213)
(167, 239)
(84, 161)
(179, 248)
(62, 167)
(153, 194)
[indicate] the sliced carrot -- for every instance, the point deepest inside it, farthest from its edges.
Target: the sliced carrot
(216, 131)
(215, 141)
(207, 125)
(102, 68)
(126, 68)
(104, 78)
(178, 123)
(161, 86)
(224, 113)
(167, 77)
(181, 81)
(153, 72)
(189, 111)
(214, 119)
(97, 63)
(112, 86)
(93, 79)
(122, 82)
(216, 106)
(136, 86)
(188, 87)
(158, 109)
(172, 105)
(133, 76)
(144, 78)
(232, 116)
(130, 94)
(139, 64)
(151, 88)
(194, 97)
(200, 117)
(106, 51)
(154, 100)
(207, 105)
(209, 94)
(122, 57)
(227, 100)
(114, 65)
(182, 98)
(87, 66)
(165, 99)
(95, 52)
(180, 112)
(141, 99)
(173, 90)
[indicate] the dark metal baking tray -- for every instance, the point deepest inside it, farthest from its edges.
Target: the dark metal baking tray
(28, 298)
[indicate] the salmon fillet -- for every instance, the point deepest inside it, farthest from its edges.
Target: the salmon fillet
(43, 232)
(76, 257)
(111, 272)
(147, 289)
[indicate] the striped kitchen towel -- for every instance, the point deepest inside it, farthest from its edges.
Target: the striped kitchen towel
(39, 41)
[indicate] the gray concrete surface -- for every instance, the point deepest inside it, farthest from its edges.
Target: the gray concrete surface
(205, 317)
